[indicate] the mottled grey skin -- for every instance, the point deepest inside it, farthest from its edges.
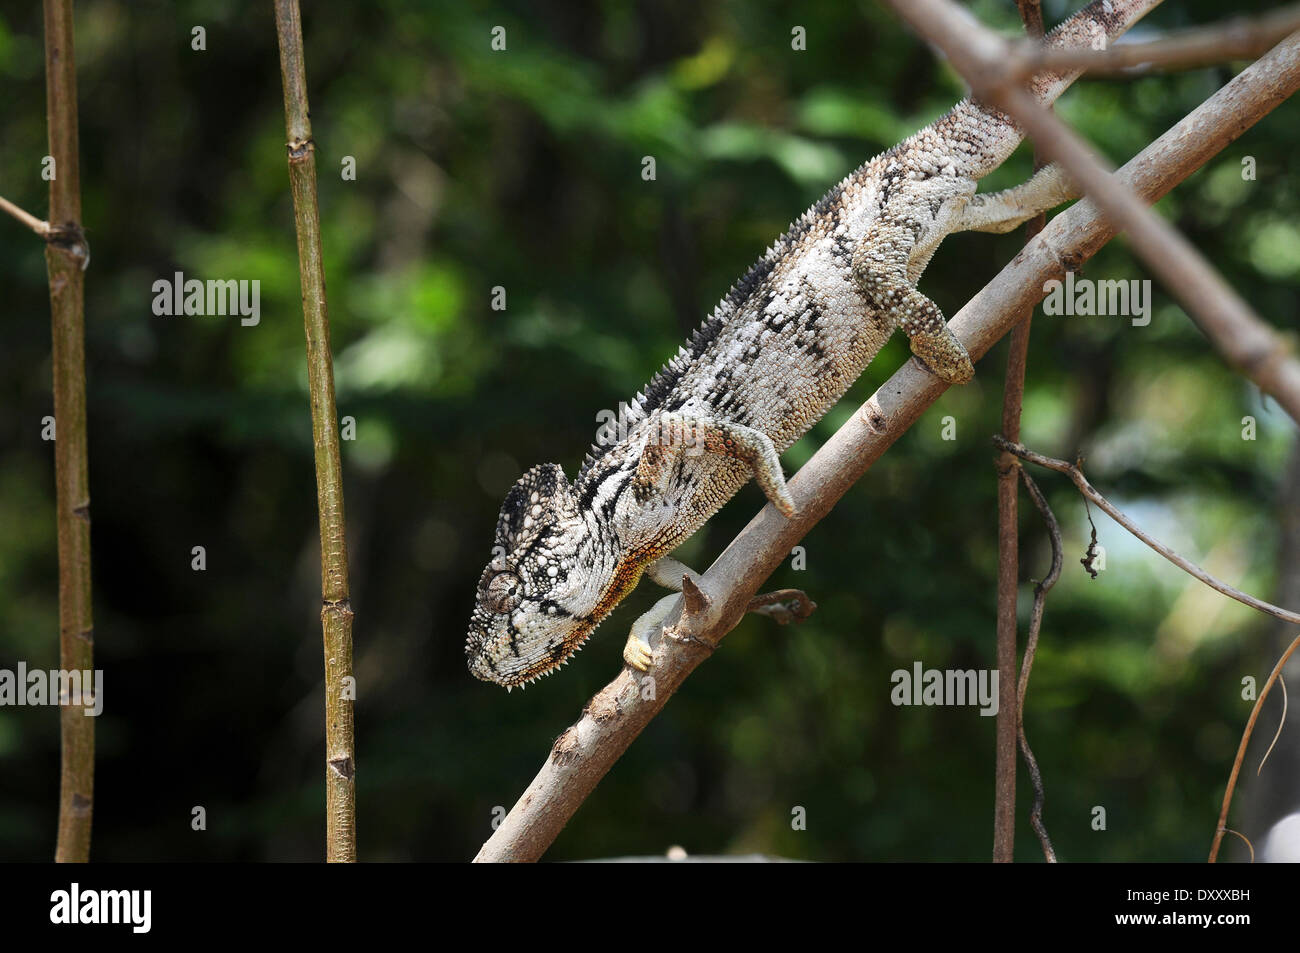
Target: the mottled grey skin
(779, 351)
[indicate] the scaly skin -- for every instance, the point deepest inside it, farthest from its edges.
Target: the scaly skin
(778, 352)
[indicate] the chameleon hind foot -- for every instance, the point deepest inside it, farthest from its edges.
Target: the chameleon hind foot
(882, 263)
(943, 355)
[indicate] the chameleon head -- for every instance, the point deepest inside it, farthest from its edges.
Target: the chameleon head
(536, 599)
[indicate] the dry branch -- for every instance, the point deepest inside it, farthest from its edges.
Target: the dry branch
(1246, 342)
(1013, 394)
(336, 607)
(1186, 565)
(617, 714)
(1238, 38)
(41, 228)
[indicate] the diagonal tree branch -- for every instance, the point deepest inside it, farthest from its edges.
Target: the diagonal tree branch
(1238, 38)
(616, 715)
(1246, 342)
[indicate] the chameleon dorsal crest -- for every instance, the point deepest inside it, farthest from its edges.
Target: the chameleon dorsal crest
(777, 353)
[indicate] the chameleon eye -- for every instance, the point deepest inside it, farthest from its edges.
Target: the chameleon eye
(504, 591)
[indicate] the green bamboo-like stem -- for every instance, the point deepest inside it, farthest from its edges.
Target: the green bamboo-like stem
(66, 256)
(336, 609)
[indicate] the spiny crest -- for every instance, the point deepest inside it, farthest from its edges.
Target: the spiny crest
(652, 397)
(540, 498)
(732, 304)
(578, 647)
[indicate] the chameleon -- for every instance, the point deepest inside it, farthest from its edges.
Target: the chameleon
(776, 354)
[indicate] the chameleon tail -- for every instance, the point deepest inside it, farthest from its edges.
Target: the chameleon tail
(999, 134)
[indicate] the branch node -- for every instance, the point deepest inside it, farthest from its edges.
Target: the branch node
(874, 417)
(565, 750)
(300, 150)
(676, 635)
(696, 599)
(603, 707)
(342, 607)
(70, 239)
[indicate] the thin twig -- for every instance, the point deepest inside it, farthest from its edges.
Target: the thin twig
(1249, 845)
(1246, 342)
(783, 605)
(40, 227)
(1031, 647)
(1234, 39)
(620, 711)
(1088, 490)
(65, 263)
(1281, 723)
(1241, 752)
(336, 607)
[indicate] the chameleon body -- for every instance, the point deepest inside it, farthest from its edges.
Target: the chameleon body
(776, 354)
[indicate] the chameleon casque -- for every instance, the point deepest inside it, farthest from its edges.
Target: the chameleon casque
(777, 353)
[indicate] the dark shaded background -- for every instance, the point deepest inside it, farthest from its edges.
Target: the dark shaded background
(522, 169)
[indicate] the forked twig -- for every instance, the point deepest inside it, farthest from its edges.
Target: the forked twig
(1088, 490)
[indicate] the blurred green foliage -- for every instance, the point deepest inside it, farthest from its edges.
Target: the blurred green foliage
(522, 169)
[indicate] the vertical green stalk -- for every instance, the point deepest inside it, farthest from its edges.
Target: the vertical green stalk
(336, 609)
(66, 257)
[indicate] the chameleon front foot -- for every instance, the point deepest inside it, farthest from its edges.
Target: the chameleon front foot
(637, 651)
(638, 654)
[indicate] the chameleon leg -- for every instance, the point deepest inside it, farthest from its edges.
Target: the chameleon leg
(783, 605)
(637, 652)
(667, 572)
(880, 265)
(1002, 211)
(684, 433)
